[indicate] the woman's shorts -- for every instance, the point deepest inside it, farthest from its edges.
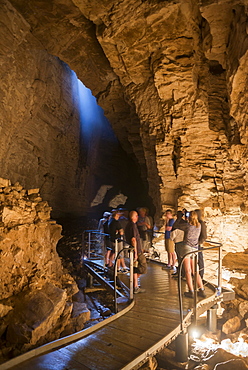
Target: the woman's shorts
(169, 246)
(186, 249)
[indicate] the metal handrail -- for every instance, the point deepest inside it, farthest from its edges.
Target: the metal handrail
(129, 248)
(89, 238)
(217, 245)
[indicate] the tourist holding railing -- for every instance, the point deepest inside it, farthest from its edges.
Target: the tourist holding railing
(190, 245)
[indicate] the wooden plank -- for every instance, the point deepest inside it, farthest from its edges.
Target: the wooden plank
(91, 357)
(142, 327)
(154, 318)
(115, 349)
(151, 320)
(139, 341)
(51, 361)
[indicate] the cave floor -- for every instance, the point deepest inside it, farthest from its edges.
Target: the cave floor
(153, 319)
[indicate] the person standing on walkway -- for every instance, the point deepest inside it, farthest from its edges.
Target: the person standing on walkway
(202, 238)
(177, 234)
(144, 225)
(133, 238)
(169, 244)
(190, 245)
(115, 232)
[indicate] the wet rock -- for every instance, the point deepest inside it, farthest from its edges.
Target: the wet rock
(36, 315)
(222, 357)
(79, 297)
(166, 359)
(80, 315)
(4, 310)
(243, 309)
(28, 240)
(231, 325)
(4, 183)
(233, 364)
(231, 309)
(243, 333)
(33, 191)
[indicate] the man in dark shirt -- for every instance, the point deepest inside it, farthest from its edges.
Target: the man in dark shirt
(182, 225)
(115, 232)
(133, 238)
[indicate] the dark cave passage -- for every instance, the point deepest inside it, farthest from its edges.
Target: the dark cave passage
(113, 176)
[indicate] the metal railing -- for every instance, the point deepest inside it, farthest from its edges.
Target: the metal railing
(98, 252)
(130, 249)
(95, 239)
(219, 287)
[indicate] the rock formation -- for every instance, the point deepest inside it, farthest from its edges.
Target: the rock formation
(171, 77)
(36, 293)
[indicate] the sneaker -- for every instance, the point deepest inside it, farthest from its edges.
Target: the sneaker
(138, 290)
(124, 270)
(174, 269)
(201, 293)
(189, 294)
(166, 267)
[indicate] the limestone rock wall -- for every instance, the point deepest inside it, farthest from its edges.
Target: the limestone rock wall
(172, 78)
(35, 290)
(40, 129)
(28, 241)
(183, 65)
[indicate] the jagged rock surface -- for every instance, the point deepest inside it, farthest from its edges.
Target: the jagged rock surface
(35, 291)
(172, 79)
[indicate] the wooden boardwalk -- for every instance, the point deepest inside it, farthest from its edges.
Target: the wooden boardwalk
(129, 339)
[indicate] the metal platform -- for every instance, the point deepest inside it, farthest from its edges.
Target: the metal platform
(125, 340)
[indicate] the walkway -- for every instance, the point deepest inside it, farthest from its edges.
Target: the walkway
(129, 339)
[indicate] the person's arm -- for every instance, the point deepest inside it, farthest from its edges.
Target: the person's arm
(170, 224)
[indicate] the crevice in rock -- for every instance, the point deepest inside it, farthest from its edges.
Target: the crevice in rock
(176, 154)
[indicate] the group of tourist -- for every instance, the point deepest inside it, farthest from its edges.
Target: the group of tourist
(182, 236)
(132, 228)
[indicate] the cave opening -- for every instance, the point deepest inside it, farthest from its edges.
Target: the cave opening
(113, 176)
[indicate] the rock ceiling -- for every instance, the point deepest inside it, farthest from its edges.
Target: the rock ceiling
(171, 77)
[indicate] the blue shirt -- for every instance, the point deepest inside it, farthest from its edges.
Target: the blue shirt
(169, 223)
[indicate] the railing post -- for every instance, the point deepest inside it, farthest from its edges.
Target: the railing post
(115, 286)
(195, 286)
(131, 275)
(180, 294)
(115, 275)
(220, 271)
(89, 246)
(83, 248)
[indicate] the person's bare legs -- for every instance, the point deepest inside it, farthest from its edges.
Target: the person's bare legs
(188, 271)
(198, 276)
(107, 257)
(135, 281)
(173, 258)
